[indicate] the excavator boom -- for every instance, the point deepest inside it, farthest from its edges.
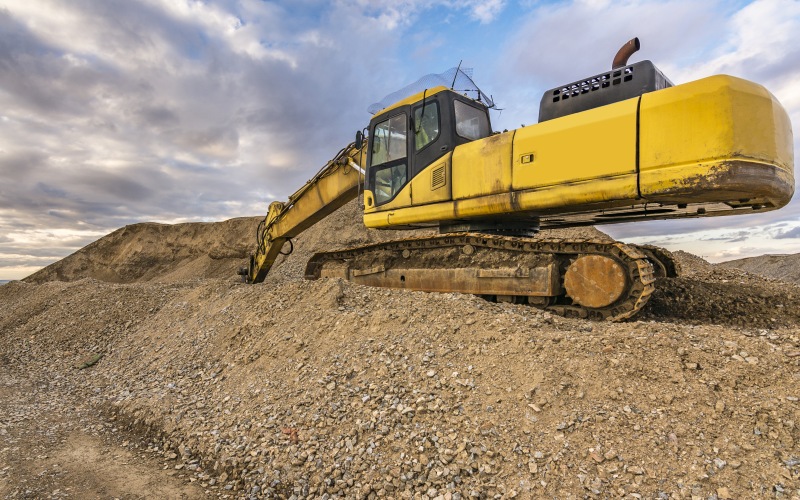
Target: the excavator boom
(333, 186)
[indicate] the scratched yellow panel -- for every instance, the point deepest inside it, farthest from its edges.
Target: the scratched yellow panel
(483, 167)
(599, 143)
(695, 138)
(434, 183)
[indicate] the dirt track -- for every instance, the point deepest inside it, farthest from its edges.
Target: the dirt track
(323, 389)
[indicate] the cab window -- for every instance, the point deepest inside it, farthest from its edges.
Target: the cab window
(426, 124)
(388, 182)
(471, 123)
(389, 165)
(389, 140)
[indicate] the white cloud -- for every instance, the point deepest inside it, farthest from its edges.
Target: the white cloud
(24, 251)
(568, 41)
(396, 14)
(717, 245)
(115, 112)
(238, 36)
(82, 31)
(761, 38)
(485, 11)
(118, 112)
(761, 43)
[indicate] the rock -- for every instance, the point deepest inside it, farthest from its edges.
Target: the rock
(723, 493)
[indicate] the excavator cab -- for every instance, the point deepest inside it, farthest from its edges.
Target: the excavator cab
(412, 135)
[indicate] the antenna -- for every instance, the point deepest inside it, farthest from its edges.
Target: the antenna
(456, 75)
(450, 78)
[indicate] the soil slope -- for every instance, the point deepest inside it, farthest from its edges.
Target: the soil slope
(159, 252)
(782, 267)
(327, 389)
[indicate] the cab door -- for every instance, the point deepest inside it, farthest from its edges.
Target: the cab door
(432, 142)
(388, 162)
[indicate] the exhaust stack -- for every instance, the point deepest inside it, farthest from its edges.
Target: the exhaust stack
(625, 52)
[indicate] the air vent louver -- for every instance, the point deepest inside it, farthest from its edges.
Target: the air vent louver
(438, 178)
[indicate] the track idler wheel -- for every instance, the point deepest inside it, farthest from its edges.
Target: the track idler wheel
(595, 281)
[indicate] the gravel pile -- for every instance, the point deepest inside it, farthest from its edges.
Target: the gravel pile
(159, 252)
(328, 389)
(783, 267)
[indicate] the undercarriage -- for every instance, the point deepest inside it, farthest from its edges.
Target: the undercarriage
(593, 279)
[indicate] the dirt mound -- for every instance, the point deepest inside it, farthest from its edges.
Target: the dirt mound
(705, 293)
(782, 267)
(712, 299)
(322, 389)
(159, 252)
(692, 264)
(170, 253)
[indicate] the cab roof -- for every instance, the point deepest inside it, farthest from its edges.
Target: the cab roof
(413, 99)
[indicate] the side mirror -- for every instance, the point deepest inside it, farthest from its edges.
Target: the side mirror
(359, 139)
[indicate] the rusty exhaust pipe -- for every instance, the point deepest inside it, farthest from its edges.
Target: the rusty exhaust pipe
(626, 51)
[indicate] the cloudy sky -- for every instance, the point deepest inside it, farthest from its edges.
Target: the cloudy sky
(114, 112)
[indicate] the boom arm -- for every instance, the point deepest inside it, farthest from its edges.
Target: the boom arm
(333, 186)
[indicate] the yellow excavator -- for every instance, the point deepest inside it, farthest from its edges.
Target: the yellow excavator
(621, 146)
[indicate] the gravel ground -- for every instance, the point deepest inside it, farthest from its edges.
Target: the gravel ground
(54, 442)
(326, 389)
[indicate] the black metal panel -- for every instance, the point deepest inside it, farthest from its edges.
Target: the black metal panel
(612, 86)
(443, 143)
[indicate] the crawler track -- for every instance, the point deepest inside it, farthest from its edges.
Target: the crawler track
(522, 270)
